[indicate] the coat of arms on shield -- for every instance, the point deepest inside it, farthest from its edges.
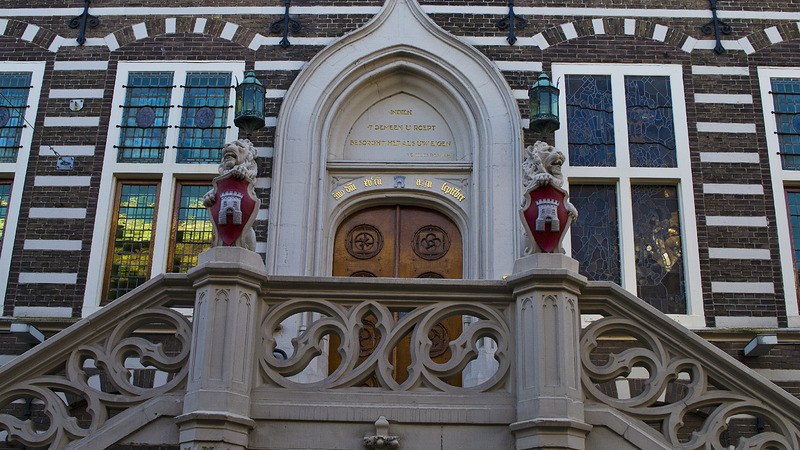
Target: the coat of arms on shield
(232, 202)
(546, 211)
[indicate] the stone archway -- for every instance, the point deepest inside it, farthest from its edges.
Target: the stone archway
(398, 108)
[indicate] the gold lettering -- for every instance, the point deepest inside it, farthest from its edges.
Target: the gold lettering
(378, 181)
(338, 195)
(349, 187)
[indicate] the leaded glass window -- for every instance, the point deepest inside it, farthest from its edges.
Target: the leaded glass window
(793, 204)
(651, 132)
(590, 120)
(132, 238)
(14, 89)
(595, 236)
(192, 229)
(657, 241)
(786, 96)
(5, 197)
(145, 117)
(204, 117)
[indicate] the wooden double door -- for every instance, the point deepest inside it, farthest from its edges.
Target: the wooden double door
(400, 241)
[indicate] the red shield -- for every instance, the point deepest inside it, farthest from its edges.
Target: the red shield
(547, 217)
(237, 208)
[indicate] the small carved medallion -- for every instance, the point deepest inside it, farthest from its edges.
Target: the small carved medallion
(368, 338)
(363, 274)
(204, 117)
(430, 242)
(145, 117)
(430, 275)
(440, 338)
(5, 115)
(364, 241)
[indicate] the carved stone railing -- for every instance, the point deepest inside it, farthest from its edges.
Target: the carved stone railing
(81, 381)
(668, 387)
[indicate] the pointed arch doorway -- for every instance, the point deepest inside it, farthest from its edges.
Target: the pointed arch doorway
(400, 241)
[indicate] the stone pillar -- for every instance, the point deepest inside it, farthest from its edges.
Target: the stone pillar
(549, 396)
(221, 367)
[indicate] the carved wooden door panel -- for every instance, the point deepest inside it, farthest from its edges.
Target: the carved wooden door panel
(403, 242)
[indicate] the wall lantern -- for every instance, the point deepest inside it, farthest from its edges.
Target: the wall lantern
(544, 105)
(249, 111)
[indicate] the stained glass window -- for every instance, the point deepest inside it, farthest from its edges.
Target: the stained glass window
(14, 89)
(204, 118)
(131, 247)
(145, 117)
(651, 131)
(657, 242)
(590, 120)
(192, 229)
(786, 96)
(793, 204)
(5, 197)
(595, 236)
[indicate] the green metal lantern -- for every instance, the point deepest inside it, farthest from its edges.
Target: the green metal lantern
(543, 97)
(249, 110)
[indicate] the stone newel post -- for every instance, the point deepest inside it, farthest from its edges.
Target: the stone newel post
(217, 403)
(549, 397)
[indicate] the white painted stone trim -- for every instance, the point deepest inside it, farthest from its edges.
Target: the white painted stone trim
(200, 25)
(266, 152)
(274, 93)
(720, 70)
(733, 189)
(738, 253)
(263, 183)
(720, 127)
(660, 33)
(746, 322)
(30, 32)
(711, 44)
(520, 94)
(47, 278)
(689, 44)
(598, 26)
(539, 40)
(42, 311)
(773, 35)
(81, 65)
(111, 42)
(61, 180)
(255, 44)
(3, 25)
(263, 214)
(746, 46)
(280, 65)
(170, 25)
(261, 247)
(71, 121)
(728, 99)
(139, 30)
(76, 93)
(52, 244)
(519, 66)
(729, 157)
(728, 287)
(630, 27)
(57, 213)
(270, 121)
(229, 30)
(569, 30)
(737, 221)
(67, 150)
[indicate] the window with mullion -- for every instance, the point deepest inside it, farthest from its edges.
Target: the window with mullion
(14, 88)
(620, 125)
(786, 97)
(204, 117)
(130, 249)
(145, 117)
(793, 207)
(191, 226)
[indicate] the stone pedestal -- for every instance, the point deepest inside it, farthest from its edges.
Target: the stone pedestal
(549, 397)
(217, 403)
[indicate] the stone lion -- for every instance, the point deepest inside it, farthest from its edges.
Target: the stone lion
(238, 157)
(542, 166)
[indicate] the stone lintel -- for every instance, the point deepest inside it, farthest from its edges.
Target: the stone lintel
(550, 433)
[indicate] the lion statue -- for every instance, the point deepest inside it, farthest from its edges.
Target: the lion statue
(542, 166)
(238, 157)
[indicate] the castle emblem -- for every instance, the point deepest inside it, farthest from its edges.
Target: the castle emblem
(548, 213)
(231, 206)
